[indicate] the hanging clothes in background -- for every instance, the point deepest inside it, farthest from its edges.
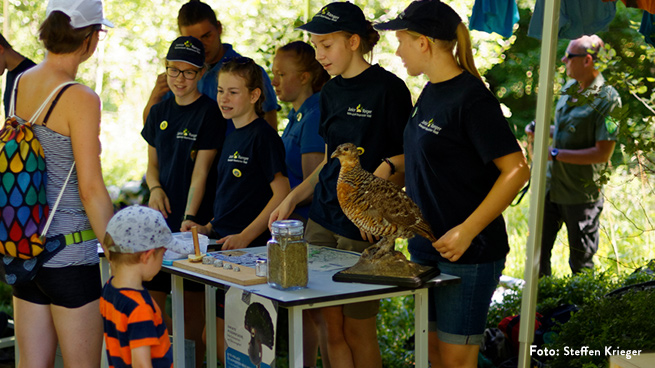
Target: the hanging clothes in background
(576, 18)
(494, 16)
(647, 5)
(648, 27)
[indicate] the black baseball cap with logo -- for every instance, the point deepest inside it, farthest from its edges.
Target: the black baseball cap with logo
(430, 18)
(187, 49)
(335, 17)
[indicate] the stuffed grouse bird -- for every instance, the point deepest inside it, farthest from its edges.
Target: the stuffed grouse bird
(375, 205)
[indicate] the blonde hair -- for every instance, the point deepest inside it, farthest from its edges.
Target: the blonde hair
(463, 52)
(119, 258)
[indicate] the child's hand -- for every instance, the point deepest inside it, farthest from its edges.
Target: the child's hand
(188, 224)
(159, 201)
(235, 241)
(453, 243)
(282, 212)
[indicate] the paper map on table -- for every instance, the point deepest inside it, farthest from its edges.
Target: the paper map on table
(318, 258)
(330, 259)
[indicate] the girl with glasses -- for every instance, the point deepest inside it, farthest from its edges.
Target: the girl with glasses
(184, 135)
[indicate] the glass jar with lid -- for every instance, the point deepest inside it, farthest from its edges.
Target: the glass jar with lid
(287, 256)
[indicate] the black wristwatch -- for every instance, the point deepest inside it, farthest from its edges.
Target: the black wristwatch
(190, 217)
(553, 153)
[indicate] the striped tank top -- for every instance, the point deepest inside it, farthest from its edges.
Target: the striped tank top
(70, 216)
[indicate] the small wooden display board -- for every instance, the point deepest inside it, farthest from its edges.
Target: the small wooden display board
(246, 275)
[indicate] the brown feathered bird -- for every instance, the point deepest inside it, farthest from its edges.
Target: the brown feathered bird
(375, 205)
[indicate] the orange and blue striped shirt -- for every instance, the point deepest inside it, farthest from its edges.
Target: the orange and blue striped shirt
(131, 319)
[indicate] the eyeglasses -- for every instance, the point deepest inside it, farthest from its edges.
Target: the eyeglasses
(569, 55)
(188, 74)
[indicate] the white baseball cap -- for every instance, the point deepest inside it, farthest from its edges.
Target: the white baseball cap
(82, 13)
(138, 228)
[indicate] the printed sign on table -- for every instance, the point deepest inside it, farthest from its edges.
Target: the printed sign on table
(250, 325)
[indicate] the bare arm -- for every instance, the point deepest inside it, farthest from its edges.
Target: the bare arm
(141, 357)
(514, 173)
(83, 116)
(384, 170)
(310, 162)
(204, 160)
(158, 198)
(598, 154)
(300, 193)
(158, 92)
(280, 188)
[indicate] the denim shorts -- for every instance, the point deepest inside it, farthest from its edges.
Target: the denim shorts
(459, 312)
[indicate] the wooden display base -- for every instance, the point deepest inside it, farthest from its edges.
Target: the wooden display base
(402, 281)
(246, 275)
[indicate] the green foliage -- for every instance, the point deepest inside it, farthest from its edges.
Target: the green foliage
(581, 289)
(395, 330)
(619, 322)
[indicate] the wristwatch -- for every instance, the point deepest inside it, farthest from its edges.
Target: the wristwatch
(553, 153)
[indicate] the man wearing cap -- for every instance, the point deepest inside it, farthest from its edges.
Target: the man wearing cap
(15, 64)
(135, 333)
(197, 19)
(584, 137)
(184, 135)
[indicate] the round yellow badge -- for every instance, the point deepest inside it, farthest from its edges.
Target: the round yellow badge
(299, 116)
(361, 150)
(236, 173)
(163, 125)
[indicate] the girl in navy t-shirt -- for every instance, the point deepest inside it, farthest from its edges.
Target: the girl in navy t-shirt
(463, 166)
(367, 106)
(298, 79)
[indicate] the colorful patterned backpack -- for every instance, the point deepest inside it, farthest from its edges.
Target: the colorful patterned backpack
(23, 202)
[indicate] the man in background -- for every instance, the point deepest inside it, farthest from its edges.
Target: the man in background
(15, 64)
(584, 137)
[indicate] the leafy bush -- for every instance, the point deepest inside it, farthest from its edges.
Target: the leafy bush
(619, 322)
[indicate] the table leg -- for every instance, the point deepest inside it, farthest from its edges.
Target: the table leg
(421, 327)
(210, 325)
(295, 337)
(178, 320)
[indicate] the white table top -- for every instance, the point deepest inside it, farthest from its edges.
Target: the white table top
(320, 287)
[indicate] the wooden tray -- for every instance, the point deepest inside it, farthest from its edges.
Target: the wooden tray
(246, 276)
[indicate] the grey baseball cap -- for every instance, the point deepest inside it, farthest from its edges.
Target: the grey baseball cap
(139, 228)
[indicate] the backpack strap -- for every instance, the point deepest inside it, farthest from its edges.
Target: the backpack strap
(12, 100)
(47, 100)
(54, 102)
(54, 208)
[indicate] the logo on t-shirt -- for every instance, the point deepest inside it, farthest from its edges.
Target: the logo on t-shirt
(429, 126)
(186, 134)
(360, 112)
(236, 157)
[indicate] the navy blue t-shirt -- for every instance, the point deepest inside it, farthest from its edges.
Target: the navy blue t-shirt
(177, 133)
(369, 110)
(249, 160)
(455, 132)
(11, 78)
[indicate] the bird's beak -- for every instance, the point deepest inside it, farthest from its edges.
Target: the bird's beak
(335, 153)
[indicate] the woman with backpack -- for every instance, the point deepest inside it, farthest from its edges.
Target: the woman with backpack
(60, 304)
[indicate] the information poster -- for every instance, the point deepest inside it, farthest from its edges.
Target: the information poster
(250, 326)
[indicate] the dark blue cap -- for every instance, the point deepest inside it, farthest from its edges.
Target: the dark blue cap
(430, 18)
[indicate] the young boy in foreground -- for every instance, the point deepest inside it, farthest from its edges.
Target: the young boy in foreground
(135, 334)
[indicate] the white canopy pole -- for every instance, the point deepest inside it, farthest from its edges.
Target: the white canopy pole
(538, 179)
